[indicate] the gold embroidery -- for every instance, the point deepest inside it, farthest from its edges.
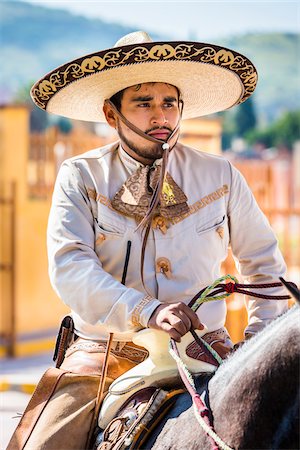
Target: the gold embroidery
(92, 193)
(135, 318)
(168, 194)
(43, 90)
(205, 201)
(99, 198)
(134, 197)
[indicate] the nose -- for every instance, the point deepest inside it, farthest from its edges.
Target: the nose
(158, 117)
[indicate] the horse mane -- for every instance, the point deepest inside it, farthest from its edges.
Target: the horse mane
(253, 396)
(260, 378)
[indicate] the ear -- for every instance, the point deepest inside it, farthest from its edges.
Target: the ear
(110, 115)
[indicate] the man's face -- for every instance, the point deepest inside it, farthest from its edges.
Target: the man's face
(154, 109)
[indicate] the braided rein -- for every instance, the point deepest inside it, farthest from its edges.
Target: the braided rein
(216, 291)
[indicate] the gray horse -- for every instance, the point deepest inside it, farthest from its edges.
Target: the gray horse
(253, 397)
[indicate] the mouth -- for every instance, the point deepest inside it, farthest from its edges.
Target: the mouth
(162, 134)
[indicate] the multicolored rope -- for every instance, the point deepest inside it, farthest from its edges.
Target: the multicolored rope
(204, 297)
(200, 409)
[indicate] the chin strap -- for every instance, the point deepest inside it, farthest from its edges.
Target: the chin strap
(165, 145)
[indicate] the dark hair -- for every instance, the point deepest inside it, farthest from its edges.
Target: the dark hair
(117, 98)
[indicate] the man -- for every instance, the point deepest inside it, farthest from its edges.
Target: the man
(138, 227)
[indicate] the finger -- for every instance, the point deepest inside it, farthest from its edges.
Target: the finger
(186, 320)
(195, 321)
(172, 332)
(177, 324)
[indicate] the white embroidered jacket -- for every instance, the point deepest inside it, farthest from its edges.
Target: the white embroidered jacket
(87, 242)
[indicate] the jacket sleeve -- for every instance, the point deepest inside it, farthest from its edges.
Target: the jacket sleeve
(75, 271)
(256, 253)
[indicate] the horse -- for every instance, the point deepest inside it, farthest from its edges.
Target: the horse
(253, 396)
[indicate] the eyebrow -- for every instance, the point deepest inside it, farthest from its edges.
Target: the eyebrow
(148, 98)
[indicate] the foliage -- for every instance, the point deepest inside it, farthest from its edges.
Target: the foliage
(276, 57)
(284, 132)
(245, 118)
(64, 125)
(229, 128)
(238, 122)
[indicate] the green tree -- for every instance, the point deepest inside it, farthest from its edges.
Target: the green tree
(287, 129)
(64, 125)
(245, 118)
(228, 128)
(284, 132)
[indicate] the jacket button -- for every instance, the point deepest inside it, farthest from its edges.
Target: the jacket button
(220, 231)
(100, 238)
(161, 223)
(163, 266)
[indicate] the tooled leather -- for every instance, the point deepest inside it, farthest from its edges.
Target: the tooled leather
(128, 350)
(87, 357)
(137, 405)
(220, 342)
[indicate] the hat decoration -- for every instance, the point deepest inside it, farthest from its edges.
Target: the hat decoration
(210, 78)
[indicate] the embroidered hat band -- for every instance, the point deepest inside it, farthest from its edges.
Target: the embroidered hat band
(210, 78)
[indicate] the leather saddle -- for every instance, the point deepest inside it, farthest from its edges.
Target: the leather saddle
(159, 370)
(138, 399)
(136, 419)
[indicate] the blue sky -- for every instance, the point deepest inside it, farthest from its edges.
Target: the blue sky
(191, 19)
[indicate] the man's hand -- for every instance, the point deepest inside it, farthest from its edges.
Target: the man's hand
(176, 319)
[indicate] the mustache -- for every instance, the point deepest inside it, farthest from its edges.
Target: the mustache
(158, 128)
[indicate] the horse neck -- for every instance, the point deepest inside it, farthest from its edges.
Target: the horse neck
(255, 387)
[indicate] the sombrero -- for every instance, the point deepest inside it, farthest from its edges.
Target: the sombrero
(210, 78)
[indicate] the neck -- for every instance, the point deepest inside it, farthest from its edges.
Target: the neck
(143, 160)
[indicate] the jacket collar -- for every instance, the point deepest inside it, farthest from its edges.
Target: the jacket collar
(132, 164)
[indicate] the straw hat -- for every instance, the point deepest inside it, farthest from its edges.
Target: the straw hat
(210, 78)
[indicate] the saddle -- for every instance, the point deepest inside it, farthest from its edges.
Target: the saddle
(159, 370)
(136, 419)
(139, 399)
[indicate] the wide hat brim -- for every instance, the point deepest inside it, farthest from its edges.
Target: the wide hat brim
(210, 78)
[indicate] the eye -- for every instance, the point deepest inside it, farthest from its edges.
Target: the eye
(169, 105)
(143, 105)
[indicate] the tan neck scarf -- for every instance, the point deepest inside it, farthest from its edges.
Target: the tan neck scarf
(134, 197)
